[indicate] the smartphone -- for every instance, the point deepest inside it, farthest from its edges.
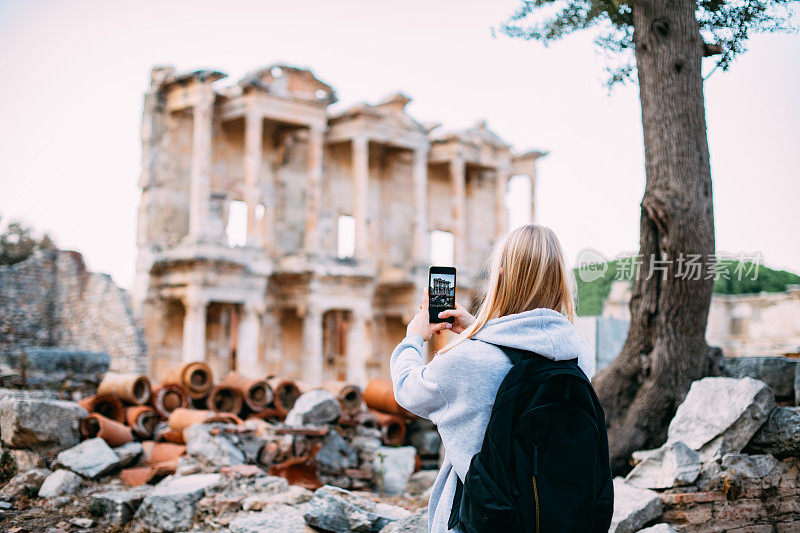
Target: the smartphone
(441, 292)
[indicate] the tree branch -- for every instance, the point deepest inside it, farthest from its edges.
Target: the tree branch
(711, 49)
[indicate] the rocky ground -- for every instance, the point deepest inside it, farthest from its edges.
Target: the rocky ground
(730, 463)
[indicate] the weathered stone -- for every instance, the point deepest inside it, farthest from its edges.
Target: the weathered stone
(293, 496)
(393, 467)
(188, 465)
(274, 517)
(217, 450)
(24, 483)
(315, 407)
(24, 459)
(671, 465)
(659, 528)
(82, 523)
(128, 453)
(780, 435)
(427, 441)
(339, 511)
(30, 422)
(421, 481)
(171, 504)
(119, 506)
(752, 466)
(366, 447)
(417, 522)
(633, 507)
(335, 455)
(91, 458)
(59, 483)
(777, 372)
(720, 415)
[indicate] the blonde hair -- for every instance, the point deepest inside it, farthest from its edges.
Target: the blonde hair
(527, 271)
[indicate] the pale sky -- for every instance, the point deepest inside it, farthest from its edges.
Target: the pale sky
(75, 73)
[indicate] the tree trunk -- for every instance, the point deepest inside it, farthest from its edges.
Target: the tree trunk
(666, 348)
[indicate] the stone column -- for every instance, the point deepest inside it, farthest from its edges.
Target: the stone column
(253, 135)
(316, 151)
(361, 193)
(200, 185)
(420, 176)
(194, 328)
(358, 348)
(458, 179)
(500, 208)
(312, 346)
(247, 345)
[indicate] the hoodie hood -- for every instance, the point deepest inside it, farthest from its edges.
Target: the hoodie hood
(543, 331)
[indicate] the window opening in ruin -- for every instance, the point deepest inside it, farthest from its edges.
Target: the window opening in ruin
(442, 248)
(335, 331)
(261, 210)
(346, 238)
(518, 199)
(276, 72)
(236, 229)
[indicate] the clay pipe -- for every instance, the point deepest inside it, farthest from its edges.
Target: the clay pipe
(113, 432)
(142, 420)
(256, 393)
(393, 428)
(195, 378)
(226, 399)
(107, 405)
(130, 388)
(349, 396)
(285, 394)
(168, 397)
(380, 395)
(181, 418)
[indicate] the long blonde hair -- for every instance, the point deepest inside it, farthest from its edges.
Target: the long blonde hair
(527, 271)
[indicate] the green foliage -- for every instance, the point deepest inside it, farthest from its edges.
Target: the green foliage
(728, 24)
(17, 243)
(740, 278)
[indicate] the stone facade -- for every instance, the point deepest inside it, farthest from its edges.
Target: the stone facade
(287, 300)
(52, 300)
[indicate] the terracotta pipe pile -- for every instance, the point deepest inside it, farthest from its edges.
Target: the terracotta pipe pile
(195, 378)
(113, 432)
(130, 388)
(158, 459)
(285, 393)
(168, 397)
(142, 420)
(393, 428)
(181, 418)
(256, 393)
(379, 395)
(349, 396)
(107, 405)
(226, 399)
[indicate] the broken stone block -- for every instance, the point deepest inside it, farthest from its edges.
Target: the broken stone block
(421, 481)
(82, 523)
(119, 506)
(274, 517)
(417, 522)
(91, 458)
(340, 511)
(335, 455)
(171, 504)
(780, 435)
(633, 507)
(294, 495)
(23, 460)
(217, 450)
(315, 407)
(27, 421)
(671, 465)
(720, 415)
(393, 467)
(128, 453)
(24, 484)
(777, 372)
(59, 483)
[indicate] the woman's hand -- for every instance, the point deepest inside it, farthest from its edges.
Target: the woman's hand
(421, 323)
(462, 318)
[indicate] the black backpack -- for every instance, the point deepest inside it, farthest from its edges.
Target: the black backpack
(543, 465)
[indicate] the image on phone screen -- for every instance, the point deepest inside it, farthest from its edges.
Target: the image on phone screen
(441, 291)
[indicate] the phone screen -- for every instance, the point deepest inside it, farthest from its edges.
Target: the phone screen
(441, 292)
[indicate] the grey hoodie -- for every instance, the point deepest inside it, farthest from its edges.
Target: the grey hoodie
(456, 390)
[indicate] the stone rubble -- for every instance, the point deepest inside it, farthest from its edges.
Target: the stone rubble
(671, 465)
(27, 421)
(59, 483)
(170, 506)
(633, 507)
(91, 458)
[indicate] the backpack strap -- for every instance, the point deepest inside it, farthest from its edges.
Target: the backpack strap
(456, 507)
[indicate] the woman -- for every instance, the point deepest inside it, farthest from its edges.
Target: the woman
(529, 306)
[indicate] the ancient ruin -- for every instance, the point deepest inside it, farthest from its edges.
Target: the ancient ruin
(338, 209)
